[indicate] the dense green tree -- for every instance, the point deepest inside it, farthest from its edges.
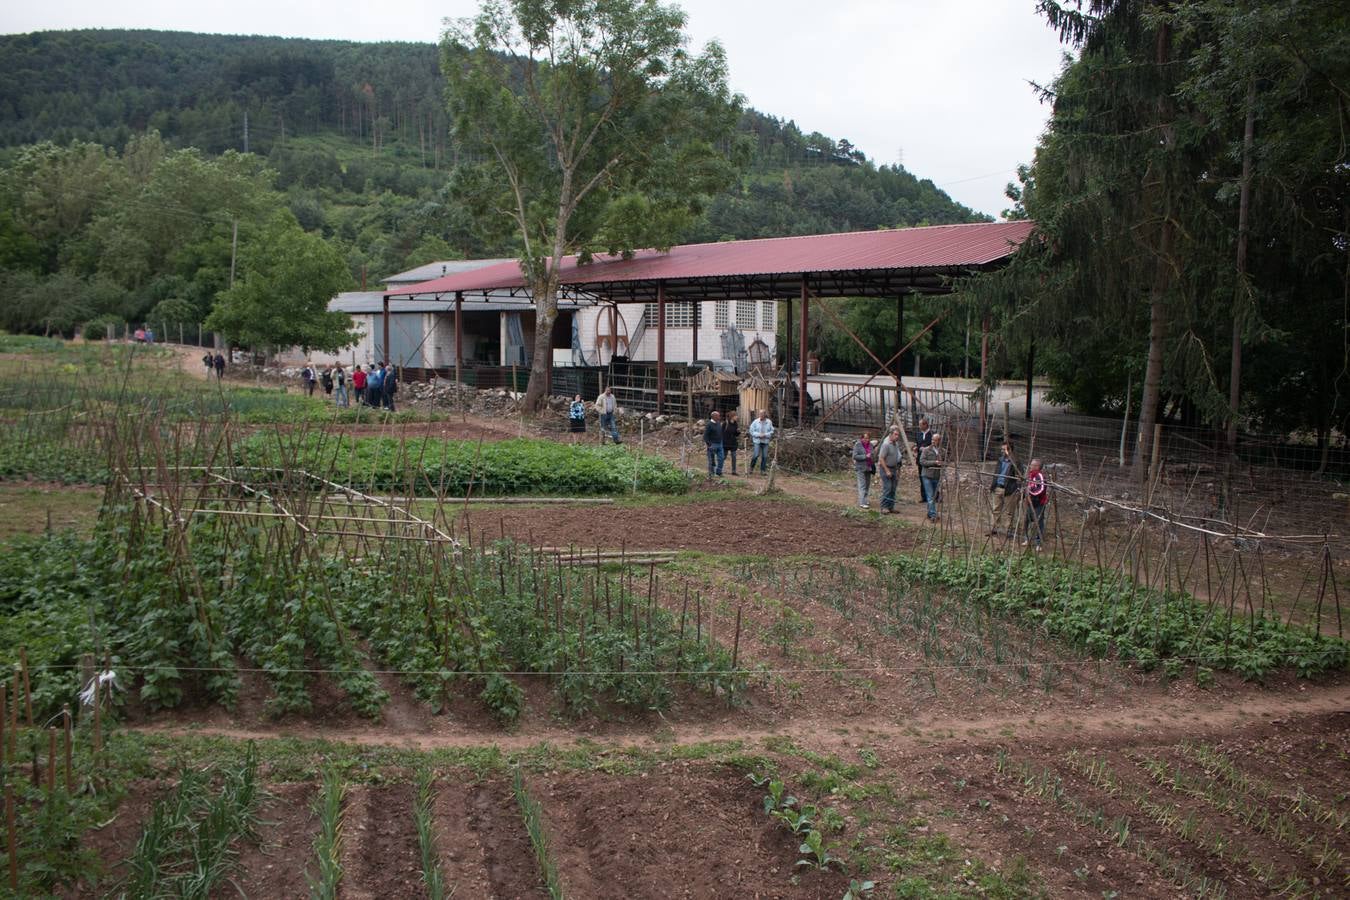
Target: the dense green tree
(1191, 197)
(598, 132)
(280, 298)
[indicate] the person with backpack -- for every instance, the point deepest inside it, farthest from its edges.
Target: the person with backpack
(307, 377)
(220, 366)
(1003, 485)
(206, 361)
(1038, 498)
(326, 379)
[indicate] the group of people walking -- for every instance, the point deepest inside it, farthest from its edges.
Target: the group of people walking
(375, 388)
(722, 440)
(214, 362)
(1010, 491)
(721, 436)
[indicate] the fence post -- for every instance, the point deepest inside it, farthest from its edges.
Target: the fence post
(12, 837)
(1153, 463)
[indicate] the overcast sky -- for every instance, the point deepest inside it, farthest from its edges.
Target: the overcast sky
(943, 83)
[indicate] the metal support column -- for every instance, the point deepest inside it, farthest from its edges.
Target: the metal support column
(984, 386)
(384, 353)
(459, 334)
(660, 347)
(694, 352)
(801, 343)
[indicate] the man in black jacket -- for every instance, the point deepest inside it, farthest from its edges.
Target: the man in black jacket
(922, 438)
(389, 387)
(712, 439)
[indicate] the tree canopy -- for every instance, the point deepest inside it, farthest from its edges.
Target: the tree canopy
(281, 296)
(592, 129)
(1178, 256)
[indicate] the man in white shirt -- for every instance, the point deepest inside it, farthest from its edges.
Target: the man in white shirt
(761, 433)
(607, 406)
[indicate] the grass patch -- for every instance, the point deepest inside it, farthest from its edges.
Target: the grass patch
(30, 509)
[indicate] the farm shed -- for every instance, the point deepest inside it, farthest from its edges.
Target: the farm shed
(889, 264)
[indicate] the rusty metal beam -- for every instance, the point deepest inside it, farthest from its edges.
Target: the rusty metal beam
(459, 336)
(801, 374)
(853, 393)
(385, 354)
(661, 347)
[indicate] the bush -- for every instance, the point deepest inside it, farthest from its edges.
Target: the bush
(97, 329)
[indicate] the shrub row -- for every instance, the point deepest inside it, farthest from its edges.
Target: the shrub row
(1106, 614)
(427, 466)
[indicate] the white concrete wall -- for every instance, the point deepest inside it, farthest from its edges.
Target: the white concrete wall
(363, 351)
(679, 341)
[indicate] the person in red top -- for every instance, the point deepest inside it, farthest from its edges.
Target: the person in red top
(1038, 496)
(359, 384)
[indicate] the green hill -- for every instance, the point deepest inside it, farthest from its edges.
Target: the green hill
(341, 121)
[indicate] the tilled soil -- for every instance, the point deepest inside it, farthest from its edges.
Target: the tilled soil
(275, 865)
(723, 526)
(616, 839)
(380, 855)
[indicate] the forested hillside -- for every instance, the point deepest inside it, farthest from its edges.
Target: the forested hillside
(130, 157)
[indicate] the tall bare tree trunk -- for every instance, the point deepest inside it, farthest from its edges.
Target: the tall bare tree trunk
(1239, 305)
(1162, 272)
(1157, 337)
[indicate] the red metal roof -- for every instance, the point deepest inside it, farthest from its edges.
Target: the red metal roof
(845, 264)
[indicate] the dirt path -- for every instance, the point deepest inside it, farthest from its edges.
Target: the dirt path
(1157, 720)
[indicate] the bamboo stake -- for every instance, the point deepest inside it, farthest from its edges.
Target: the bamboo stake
(70, 780)
(98, 720)
(736, 646)
(14, 720)
(12, 838)
(51, 763)
(4, 725)
(27, 690)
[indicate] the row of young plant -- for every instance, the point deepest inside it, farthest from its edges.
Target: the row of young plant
(1217, 841)
(173, 607)
(1109, 615)
(435, 467)
(325, 872)
(1297, 827)
(595, 634)
(1046, 784)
